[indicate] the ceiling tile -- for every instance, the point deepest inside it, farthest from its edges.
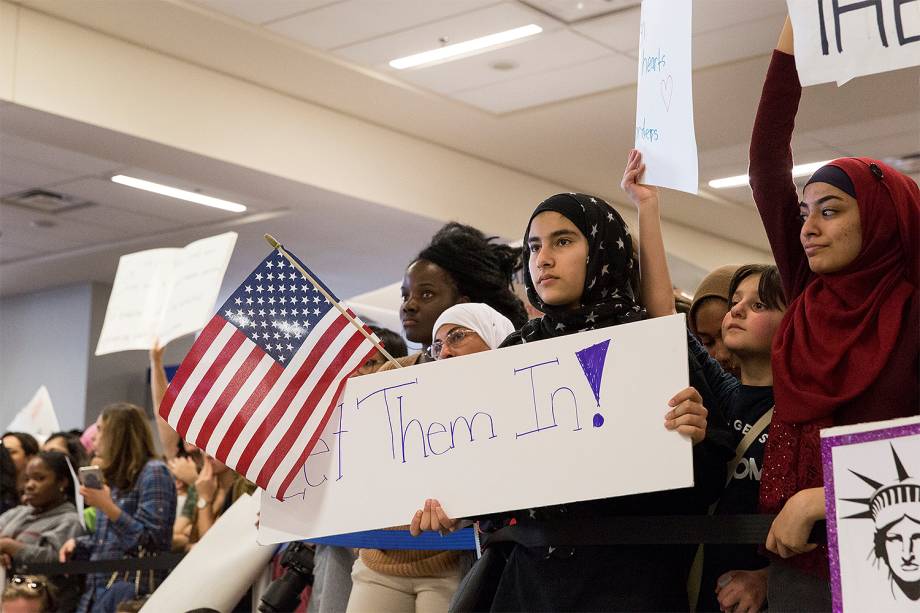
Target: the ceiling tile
(61, 236)
(736, 42)
(55, 157)
(10, 251)
(23, 172)
(619, 31)
(118, 219)
(377, 53)
(608, 72)
(261, 11)
(542, 53)
(574, 10)
(351, 21)
(717, 14)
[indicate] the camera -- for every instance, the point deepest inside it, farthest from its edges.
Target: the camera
(284, 592)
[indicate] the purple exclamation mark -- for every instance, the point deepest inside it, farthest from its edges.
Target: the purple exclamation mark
(592, 363)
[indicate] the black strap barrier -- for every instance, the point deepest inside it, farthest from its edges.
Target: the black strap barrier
(164, 561)
(659, 530)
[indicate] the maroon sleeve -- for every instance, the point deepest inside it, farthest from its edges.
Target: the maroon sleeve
(771, 171)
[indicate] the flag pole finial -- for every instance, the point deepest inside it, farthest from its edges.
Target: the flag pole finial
(277, 246)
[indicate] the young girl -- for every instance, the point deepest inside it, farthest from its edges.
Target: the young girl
(734, 576)
(581, 275)
(137, 508)
(847, 350)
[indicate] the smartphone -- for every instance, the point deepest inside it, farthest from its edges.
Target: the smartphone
(91, 476)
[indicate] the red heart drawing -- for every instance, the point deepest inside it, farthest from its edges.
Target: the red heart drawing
(667, 90)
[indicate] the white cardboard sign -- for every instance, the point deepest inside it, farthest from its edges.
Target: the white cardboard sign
(164, 293)
(665, 133)
(37, 417)
(840, 40)
(574, 418)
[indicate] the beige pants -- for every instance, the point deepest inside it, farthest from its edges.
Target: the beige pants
(374, 592)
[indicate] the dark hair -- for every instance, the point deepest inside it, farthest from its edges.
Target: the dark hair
(128, 444)
(28, 442)
(481, 268)
(75, 448)
(57, 462)
(392, 342)
(770, 287)
(9, 496)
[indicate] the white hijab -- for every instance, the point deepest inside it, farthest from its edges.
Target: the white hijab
(489, 324)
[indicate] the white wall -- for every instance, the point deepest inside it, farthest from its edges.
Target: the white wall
(44, 340)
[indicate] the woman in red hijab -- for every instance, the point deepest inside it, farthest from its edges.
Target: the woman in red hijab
(847, 349)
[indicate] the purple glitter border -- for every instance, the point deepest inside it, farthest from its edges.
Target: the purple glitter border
(830, 498)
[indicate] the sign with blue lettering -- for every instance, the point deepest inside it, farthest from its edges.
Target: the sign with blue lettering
(837, 40)
(574, 418)
(665, 133)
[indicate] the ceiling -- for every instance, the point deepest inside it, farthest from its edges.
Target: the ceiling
(39, 250)
(564, 111)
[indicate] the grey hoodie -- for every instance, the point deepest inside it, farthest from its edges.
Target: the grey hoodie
(42, 534)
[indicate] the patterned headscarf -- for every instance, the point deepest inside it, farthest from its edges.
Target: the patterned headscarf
(609, 296)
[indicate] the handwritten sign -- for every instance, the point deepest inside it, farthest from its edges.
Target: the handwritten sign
(37, 417)
(837, 41)
(164, 293)
(872, 492)
(573, 418)
(665, 133)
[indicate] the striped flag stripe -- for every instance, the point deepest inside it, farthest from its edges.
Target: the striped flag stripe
(204, 341)
(209, 402)
(310, 407)
(288, 399)
(317, 420)
(214, 371)
(301, 401)
(316, 424)
(201, 367)
(264, 398)
(229, 393)
(240, 411)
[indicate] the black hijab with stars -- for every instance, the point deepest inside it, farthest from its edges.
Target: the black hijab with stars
(610, 293)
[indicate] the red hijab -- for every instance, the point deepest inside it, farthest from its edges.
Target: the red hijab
(837, 336)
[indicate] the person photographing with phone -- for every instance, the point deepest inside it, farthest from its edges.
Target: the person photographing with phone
(136, 498)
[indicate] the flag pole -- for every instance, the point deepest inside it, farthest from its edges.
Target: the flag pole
(277, 246)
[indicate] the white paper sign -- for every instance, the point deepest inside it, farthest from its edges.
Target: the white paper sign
(228, 551)
(665, 133)
(37, 417)
(840, 40)
(164, 293)
(872, 486)
(573, 418)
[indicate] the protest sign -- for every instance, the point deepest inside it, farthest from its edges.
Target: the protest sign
(228, 551)
(872, 489)
(573, 418)
(665, 132)
(164, 293)
(837, 41)
(37, 417)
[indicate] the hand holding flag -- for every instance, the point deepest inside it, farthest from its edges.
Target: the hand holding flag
(258, 386)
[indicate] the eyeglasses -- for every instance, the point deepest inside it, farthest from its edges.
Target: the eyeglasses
(30, 582)
(454, 339)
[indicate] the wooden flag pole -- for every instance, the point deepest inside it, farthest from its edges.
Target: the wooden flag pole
(277, 246)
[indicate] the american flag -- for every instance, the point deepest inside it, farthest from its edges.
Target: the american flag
(258, 386)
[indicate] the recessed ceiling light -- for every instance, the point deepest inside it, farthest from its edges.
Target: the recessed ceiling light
(180, 194)
(802, 170)
(465, 49)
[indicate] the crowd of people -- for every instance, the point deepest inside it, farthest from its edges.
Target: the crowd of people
(826, 336)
